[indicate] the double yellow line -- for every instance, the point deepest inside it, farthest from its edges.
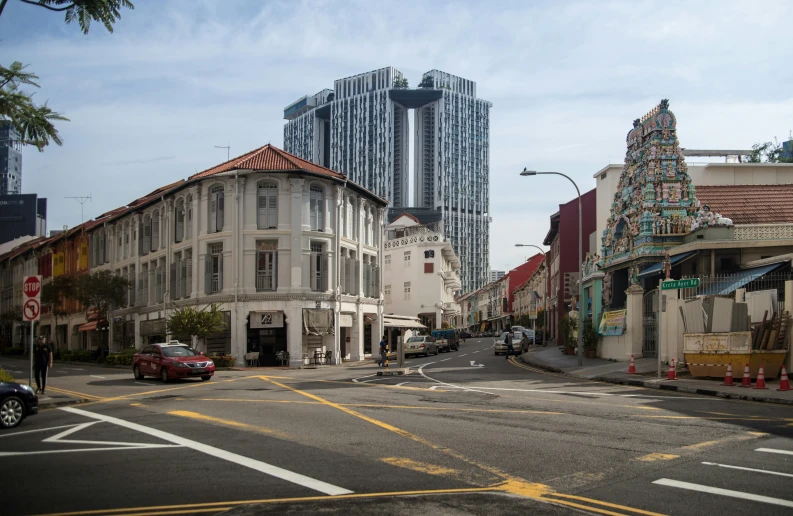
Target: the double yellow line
(75, 394)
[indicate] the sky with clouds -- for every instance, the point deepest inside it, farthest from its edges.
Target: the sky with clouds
(149, 102)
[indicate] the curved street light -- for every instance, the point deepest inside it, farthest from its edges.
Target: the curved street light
(580, 353)
(545, 295)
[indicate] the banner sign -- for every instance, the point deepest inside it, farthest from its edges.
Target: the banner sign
(613, 323)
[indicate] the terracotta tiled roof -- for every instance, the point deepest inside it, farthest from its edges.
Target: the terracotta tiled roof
(408, 215)
(269, 158)
(750, 204)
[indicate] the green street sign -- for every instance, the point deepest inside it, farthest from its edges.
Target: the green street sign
(681, 283)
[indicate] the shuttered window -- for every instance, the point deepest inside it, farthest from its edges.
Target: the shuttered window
(267, 212)
(179, 222)
(317, 201)
(215, 209)
(266, 270)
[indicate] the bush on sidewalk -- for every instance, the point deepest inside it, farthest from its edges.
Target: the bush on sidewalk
(223, 360)
(5, 376)
(119, 359)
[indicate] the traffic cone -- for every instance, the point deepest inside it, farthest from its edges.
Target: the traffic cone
(760, 383)
(632, 367)
(747, 378)
(728, 377)
(672, 371)
(784, 383)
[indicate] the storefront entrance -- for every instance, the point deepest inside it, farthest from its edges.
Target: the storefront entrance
(266, 336)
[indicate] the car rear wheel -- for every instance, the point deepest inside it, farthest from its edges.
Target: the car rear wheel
(137, 373)
(436, 352)
(426, 352)
(164, 375)
(12, 412)
(206, 378)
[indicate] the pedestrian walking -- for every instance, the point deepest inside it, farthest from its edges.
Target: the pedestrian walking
(383, 352)
(508, 342)
(42, 361)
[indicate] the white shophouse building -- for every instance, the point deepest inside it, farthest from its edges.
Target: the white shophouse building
(289, 249)
(420, 273)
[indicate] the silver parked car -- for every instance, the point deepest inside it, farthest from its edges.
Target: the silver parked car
(421, 345)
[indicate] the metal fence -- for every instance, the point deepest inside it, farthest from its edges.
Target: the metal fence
(719, 282)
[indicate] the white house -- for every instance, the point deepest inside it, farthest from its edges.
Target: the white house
(289, 249)
(420, 273)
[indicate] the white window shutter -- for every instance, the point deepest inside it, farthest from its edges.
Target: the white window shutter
(272, 208)
(313, 272)
(220, 212)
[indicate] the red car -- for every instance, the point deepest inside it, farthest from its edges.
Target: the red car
(172, 360)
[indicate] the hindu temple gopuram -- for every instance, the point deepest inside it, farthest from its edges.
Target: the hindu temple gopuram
(655, 205)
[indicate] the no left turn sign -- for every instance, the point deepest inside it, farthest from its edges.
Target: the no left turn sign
(31, 310)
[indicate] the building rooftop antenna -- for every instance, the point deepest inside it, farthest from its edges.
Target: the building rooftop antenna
(82, 201)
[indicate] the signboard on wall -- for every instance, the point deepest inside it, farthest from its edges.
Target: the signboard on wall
(613, 323)
(267, 319)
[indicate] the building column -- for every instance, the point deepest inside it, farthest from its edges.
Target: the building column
(238, 335)
(634, 321)
(296, 240)
(294, 333)
(438, 318)
(355, 348)
(195, 193)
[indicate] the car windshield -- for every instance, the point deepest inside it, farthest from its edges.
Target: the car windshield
(416, 339)
(178, 351)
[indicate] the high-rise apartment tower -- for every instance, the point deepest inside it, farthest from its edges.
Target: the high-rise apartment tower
(361, 128)
(10, 159)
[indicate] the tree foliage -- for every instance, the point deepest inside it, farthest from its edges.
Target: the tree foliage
(196, 323)
(102, 291)
(401, 83)
(768, 152)
(426, 82)
(36, 122)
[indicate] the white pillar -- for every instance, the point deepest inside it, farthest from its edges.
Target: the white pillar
(789, 309)
(294, 334)
(634, 321)
(296, 241)
(355, 348)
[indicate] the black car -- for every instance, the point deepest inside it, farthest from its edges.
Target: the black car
(17, 401)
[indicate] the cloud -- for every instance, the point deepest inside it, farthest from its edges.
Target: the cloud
(566, 79)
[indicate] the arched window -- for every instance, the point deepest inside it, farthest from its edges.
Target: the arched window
(350, 219)
(155, 231)
(215, 209)
(317, 200)
(146, 241)
(188, 229)
(267, 205)
(179, 221)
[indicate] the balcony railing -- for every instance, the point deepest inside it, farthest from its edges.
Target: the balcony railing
(264, 282)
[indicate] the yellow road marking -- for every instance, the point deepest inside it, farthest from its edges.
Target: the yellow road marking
(652, 457)
(226, 422)
(741, 437)
(707, 418)
(605, 504)
(197, 506)
(430, 469)
(586, 507)
(157, 391)
(75, 393)
(375, 405)
(135, 404)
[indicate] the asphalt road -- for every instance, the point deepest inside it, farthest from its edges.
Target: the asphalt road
(465, 432)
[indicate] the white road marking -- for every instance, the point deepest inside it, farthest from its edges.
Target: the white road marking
(38, 430)
(72, 369)
(476, 351)
(141, 383)
(723, 492)
(96, 376)
(263, 467)
(773, 450)
(74, 450)
(748, 469)
(421, 371)
(465, 355)
(13, 371)
(367, 376)
(445, 359)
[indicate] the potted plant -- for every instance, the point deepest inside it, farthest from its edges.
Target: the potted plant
(567, 330)
(590, 339)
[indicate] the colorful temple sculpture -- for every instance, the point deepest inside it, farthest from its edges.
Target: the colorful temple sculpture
(655, 204)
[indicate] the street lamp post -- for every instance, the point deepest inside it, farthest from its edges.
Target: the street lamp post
(527, 172)
(545, 297)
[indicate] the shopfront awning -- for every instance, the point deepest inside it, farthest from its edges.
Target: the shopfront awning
(89, 326)
(390, 322)
(658, 267)
(729, 284)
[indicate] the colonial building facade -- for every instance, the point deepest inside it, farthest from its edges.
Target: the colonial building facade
(290, 250)
(420, 273)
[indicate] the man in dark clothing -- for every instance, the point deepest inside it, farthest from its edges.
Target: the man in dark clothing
(383, 351)
(508, 342)
(42, 361)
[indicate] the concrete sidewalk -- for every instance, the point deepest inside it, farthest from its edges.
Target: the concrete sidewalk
(552, 359)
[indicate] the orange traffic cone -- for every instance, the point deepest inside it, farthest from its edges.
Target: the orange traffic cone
(747, 378)
(672, 371)
(760, 384)
(632, 367)
(728, 377)
(784, 383)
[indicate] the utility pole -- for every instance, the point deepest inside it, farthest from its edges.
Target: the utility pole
(82, 201)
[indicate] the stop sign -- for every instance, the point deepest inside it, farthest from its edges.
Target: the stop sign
(32, 286)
